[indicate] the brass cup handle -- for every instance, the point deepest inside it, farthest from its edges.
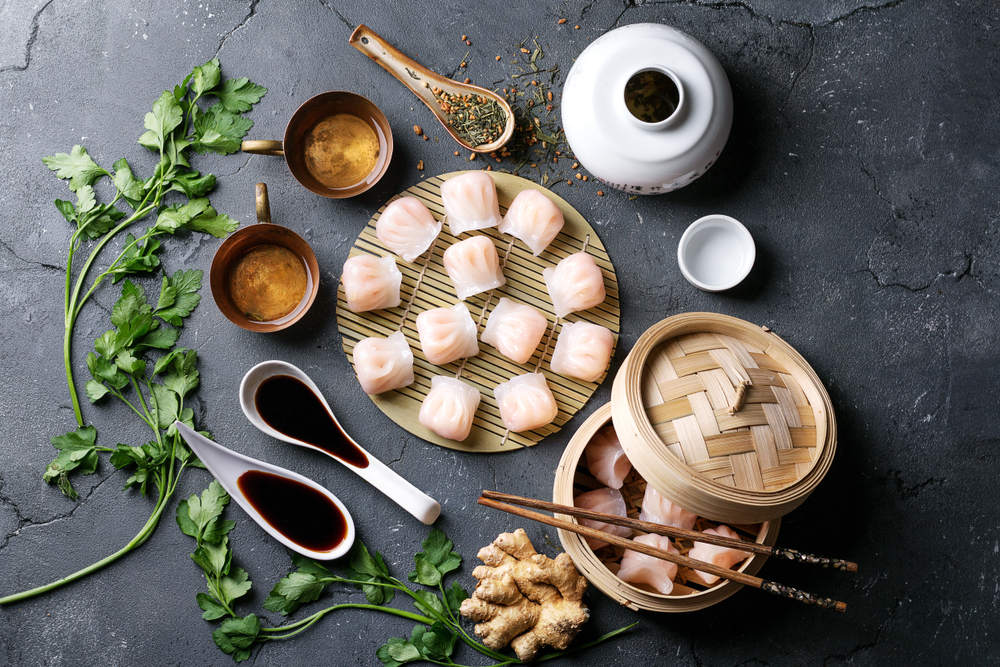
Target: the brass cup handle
(262, 147)
(263, 204)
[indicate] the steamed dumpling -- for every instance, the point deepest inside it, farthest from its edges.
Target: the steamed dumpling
(607, 501)
(639, 568)
(721, 556)
(657, 509)
(371, 283)
(515, 329)
(533, 218)
(470, 202)
(582, 351)
(526, 402)
(449, 407)
(575, 284)
(383, 364)
(473, 266)
(606, 459)
(447, 334)
(407, 228)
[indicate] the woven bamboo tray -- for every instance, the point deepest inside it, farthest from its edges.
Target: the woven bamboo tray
(485, 371)
(600, 567)
(723, 417)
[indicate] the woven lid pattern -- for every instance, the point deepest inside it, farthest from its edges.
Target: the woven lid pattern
(730, 411)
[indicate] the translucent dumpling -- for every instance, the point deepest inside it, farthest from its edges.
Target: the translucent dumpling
(721, 556)
(606, 458)
(526, 402)
(606, 501)
(533, 218)
(371, 283)
(470, 202)
(447, 334)
(640, 568)
(383, 364)
(658, 509)
(582, 351)
(449, 407)
(576, 283)
(515, 329)
(407, 228)
(473, 266)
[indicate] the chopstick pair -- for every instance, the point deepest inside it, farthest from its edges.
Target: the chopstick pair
(491, 498)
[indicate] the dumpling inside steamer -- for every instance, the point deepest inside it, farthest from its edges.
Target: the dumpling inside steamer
(447, 334)
(533, 218)
(371, 283)
(449, 408)
(721, 556)
(657, 509)
(383, 364)
(473, 266)
(407, 228)
(608, 501)
(606, 459)
(470, 202)
(640, 568)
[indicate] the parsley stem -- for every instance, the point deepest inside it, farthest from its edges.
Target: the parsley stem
(299, 626)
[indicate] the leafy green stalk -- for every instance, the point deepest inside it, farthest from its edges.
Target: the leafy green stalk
(175, 126)
(433, 640)
(155, 392)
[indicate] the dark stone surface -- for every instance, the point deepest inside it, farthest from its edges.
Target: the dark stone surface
(863, 159)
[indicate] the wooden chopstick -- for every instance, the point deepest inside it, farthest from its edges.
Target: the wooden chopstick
(701, 566)
(671, 531)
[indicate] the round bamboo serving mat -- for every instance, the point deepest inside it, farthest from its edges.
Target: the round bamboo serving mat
(600, 567)
(724, 417)
(489, 368)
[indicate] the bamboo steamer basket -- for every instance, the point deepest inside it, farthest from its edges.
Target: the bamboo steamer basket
(600, 566)
(723, 417)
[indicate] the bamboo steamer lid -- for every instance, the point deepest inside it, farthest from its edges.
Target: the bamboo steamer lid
(599, 567)
(675, 409)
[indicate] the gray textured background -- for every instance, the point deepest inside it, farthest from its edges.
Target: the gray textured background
(863, 158)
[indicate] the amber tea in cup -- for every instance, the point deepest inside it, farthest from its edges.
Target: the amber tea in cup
(337, 144)
(264, 277)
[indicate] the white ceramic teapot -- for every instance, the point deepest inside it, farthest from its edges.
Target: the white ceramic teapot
(647, 108)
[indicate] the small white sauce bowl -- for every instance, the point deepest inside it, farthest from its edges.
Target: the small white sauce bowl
(716, 253)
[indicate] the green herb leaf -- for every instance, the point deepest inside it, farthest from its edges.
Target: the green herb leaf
(454, 596)
(213, 610)
(436, 560)
(205, 77)
(95, 391)
(236, 635)
(160, 338)
(365, 567)
(161, 121)
(179, 296)
(436, 642)
(193, 184)
(183, 376)
(397, 651)
(235, 585)
(239, 95)
(138, 257)
(76, 453)
(426, 573)
(219, 226)
(429, 603)
(165, 407)
(77, 166)
(219, 130)
(202, 511)
(128, 185)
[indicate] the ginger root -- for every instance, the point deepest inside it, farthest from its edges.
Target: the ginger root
(525, 599)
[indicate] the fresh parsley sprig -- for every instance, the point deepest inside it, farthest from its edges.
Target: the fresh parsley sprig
(176, 126)
(434, 638)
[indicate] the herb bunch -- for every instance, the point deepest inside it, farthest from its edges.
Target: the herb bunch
(175, 127)
(434, 639)
(155, 392)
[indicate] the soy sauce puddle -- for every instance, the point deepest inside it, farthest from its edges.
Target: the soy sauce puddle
(299, 512)
(289, 406)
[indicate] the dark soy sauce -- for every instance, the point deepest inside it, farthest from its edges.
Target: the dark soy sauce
(299, 512)
(290, 407)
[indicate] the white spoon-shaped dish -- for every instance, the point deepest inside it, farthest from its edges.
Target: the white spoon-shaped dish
(369, 468)
(228, 466)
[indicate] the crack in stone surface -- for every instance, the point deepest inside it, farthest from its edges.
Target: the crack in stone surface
(32, 37)
(250, 14)
(343, 19)
(798, 75)
(8, 248)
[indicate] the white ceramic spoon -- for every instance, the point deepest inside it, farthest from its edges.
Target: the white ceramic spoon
(376, 473)
(228, 466)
